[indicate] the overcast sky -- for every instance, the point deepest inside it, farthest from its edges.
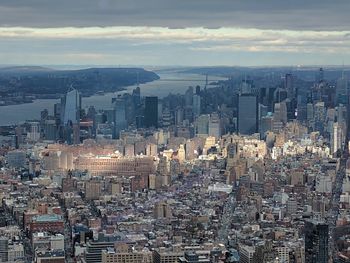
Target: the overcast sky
(175, 32)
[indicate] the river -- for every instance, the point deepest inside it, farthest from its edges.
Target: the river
(176, 83)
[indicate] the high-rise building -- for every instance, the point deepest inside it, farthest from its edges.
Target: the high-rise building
(316, 242)
(70, 116)
(160, 111)
(34, 133)
(320, 75)
(4, 243)
(302, 108)
(288, 84)
(16, 159)
(266, 124)
(162, 210)
(196, 105)
(336, 138)
(119, 116)
(215, 126)
(280, 114)
(246, 254)
(189, 97)
(198, 90)
(202, 125)
(92, 190)
(71, 107)
(151, 112)
(50, 130)
(247, 114)
(341, 94)
(319, 116)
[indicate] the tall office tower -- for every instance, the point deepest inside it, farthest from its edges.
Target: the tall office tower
(160, 112)
(167, 118)
(137, 109)
(92, 190)
(320, 75)
(279, 95)
(341, 93)
(44, 114)
(70, 116)
(336, 138)
(4, 243)
(119, 116)
(50, 130)
(247, 114)
(196, 105)
(310, 113)
(189, 97)
(341, 114)
(202, 125)
(316, 242)
(151, 112)
(215, 126)
(179, 117)
(289, 86)
(136, 95)
(263, 110)
(57, 110)
(266, 124)
(34, 133)
(280, 113)
(181, 153)
(319, 116)
(247, 87)
(198, 90)
(302, 108)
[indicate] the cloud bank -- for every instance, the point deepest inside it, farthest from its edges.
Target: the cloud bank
(189, 32)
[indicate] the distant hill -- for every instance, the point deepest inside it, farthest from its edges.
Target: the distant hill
(23, 70)
(305, 72)
(40, 80)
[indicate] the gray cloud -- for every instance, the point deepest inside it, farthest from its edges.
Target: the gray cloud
(263, 14)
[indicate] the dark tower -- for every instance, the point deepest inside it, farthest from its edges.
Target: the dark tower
(316, 242)
(151, 112)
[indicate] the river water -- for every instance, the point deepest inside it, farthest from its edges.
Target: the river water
(175, 83)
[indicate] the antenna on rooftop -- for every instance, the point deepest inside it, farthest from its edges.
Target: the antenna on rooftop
(137, 79)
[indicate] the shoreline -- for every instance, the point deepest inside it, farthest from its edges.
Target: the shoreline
(58, 96)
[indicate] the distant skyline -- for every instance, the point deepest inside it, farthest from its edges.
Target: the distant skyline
(166, 32)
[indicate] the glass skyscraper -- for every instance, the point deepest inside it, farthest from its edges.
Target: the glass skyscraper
(151, 112)
(247, 114)
(316, 242)
(70, 116)
(120, 116)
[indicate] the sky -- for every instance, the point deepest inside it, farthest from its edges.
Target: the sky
(175, 32)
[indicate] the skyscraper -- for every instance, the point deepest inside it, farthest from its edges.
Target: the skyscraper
(215, 126)
(196, 105)
(316, 242)
(288, 85)
(341, 94)
(119, 116)
(3, 249)
(151, 112)
(71, 107)
(280, 113)
(320, 75)
(202, 125)
(247, 114)
(70, 116)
